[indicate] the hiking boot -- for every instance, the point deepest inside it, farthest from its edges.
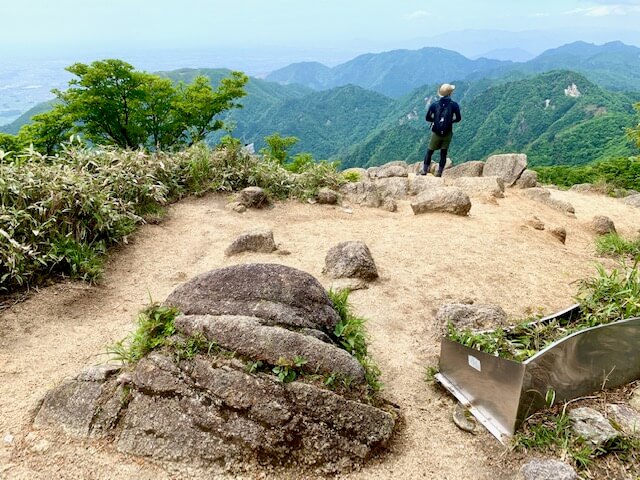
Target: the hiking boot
(438, 174)
(421, 173)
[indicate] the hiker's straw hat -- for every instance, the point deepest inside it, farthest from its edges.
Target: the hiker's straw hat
(445, 90)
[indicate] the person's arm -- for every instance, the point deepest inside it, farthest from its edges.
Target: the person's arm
(431, 113)
(456, 113)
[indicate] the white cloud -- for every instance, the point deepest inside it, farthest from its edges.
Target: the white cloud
(418, 14)
(606, 10)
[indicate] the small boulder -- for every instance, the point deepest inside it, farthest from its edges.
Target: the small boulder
(253, 197)
(592, 426)
(479, 186)
(560, 233)
(257, 240)
(392, 170)
(536, 223)
(627, 418)
(602, 225)
(350, 260)
(394, 187)
(445, 199)
(389, 204)
(546, 469)
(326, 196)
(236, 207)
(508, 166)
(528, 179)
(473, 168)
(543, 195)
(464, 315)
(421, 183)
(583, 188)
(361, 193)
(633, 200)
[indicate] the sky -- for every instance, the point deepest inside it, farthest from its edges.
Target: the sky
(38, 27)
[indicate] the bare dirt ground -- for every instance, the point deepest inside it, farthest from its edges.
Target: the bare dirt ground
(491, 256)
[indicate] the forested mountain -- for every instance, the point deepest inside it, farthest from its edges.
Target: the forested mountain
(395, 73)
(391, 73)
(543, 116)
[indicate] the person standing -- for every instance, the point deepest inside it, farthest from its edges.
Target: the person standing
(442, 114)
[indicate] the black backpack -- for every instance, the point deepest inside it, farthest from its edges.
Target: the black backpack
(443, 119)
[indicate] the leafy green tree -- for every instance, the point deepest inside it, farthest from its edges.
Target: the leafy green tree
(112, 103)
(634, 133)
(10, 143)
(278, 146)
(48, 130)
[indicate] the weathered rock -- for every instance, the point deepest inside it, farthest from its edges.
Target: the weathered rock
(249, 338)
(633, 200)
(351, 284)
(536, 223)
(591, 425)
(389, 204)
(326, 196)
(71, 406)
(275, 293)
(546, 469)
(463, 419)
(627, 418)
(602, 225)
(236, 207)
(478, 186)
(257, 240)
(473, 168)
(543, 195)
(421, 183)
(394, 187)
(584, 188)
(528, 179)
(474, 316)
(508, 166)
(392, 170)
(361, 193)
(373, 172)
(351, 260)
(361, 172)
(253, 197)
(560, 233)
(634, 401)
(435, 164)
(445, 199)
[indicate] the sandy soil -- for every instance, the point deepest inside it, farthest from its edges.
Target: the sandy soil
(490, 256)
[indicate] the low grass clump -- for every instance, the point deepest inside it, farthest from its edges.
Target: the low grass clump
(614, 245)
(59, 215)
(550, 433)
(352, 336)
(605, 298)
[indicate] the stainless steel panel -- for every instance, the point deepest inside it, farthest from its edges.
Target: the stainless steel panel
(489, 384)
(585, 362)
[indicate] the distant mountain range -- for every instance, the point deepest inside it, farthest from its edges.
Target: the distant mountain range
(395, 73)
(366, 120)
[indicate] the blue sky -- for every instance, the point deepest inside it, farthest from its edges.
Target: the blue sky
(33, 26)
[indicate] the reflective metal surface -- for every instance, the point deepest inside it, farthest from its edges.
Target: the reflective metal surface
(502, 393)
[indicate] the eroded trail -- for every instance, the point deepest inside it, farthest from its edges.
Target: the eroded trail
(424, 261)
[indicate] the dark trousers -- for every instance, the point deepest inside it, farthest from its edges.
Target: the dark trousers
(443, 161)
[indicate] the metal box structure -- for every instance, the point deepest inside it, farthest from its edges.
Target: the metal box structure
(502, 393)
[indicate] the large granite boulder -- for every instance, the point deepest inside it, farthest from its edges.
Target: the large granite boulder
(421, 183)
(235, 392)
(279, 295)
(473, 168)
(508, 166)
(392, 169)
(350, 260)
(361, 193)
(445, 199)
(326, 196)
(478, 186)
